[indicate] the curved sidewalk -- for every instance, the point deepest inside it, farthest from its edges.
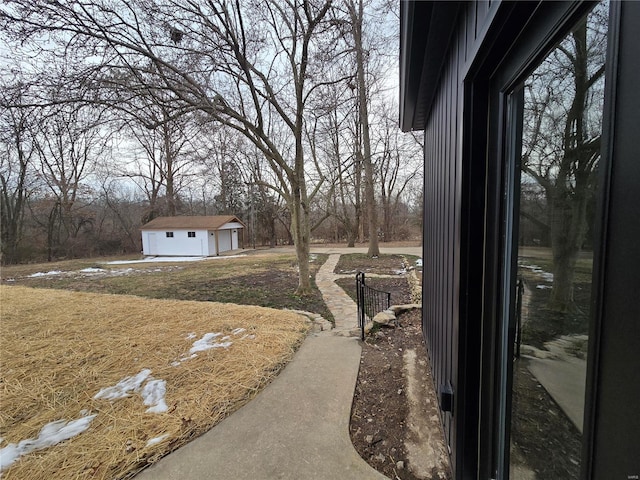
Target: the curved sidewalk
(298, 426)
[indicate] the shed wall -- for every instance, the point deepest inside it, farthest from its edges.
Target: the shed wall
(178, 245)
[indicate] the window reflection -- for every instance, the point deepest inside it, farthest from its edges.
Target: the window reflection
(562, 127)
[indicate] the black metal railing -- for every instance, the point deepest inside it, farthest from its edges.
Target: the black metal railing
(518, 335)
(370, 302)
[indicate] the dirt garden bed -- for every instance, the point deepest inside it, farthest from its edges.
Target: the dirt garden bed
(395, 423)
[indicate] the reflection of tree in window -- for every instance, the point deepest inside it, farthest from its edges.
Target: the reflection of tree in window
(561, 144)
(562, 123)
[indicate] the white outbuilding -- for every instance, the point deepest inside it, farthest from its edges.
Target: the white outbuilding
(200, 236)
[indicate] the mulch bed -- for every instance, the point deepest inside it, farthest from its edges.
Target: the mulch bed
(61, 349)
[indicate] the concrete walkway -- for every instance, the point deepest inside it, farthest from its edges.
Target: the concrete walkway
(298, 426)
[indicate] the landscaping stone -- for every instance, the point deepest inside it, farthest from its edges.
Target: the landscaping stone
(384, 318)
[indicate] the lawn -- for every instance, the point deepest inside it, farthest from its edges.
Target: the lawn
(99, 386)
(267, 280)
(541, 323)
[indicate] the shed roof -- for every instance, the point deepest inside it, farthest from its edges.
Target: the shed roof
(200, 222)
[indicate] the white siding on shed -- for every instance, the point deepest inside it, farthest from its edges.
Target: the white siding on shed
(178, 245)
(210, 237)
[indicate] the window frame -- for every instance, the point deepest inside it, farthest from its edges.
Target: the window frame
(488, 175)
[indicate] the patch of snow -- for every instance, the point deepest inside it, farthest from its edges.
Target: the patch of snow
(419, 262)
(92, 270)
(209, 341)
(123, 271)
(543, 287)
(124, 386)
(10, 280)
(190, 335)
(52, 273)
(536, 269)
(51, 434)
(184, 359)
(250, 337)
(156, 440)
(175, 363)
(153, 395)
(238, 331)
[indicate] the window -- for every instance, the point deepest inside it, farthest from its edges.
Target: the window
(191, 234)
(561, 112)
(169, 234)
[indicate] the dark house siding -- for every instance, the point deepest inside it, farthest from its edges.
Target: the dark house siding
(443, 186)
(450, 53)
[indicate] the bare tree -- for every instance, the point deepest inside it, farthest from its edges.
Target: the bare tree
(202, 55)
(16, 158)
(561, 146)
(344, 167)
(356, 14)
(69, 141)
(399, 165)
(167, 157)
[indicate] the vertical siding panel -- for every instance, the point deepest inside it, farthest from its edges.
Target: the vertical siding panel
(441, 156)
(463, 35)
(443, 232)
(443, 197)
(436, 238)
(471, 26)
(450, 216)
(457, 196)
(482, 16)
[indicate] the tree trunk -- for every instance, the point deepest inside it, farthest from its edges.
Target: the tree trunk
(369, 190)
(300, 232)
(569, 195)
(568, 225)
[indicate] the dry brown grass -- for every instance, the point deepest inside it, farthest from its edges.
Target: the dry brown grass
(59, 348)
